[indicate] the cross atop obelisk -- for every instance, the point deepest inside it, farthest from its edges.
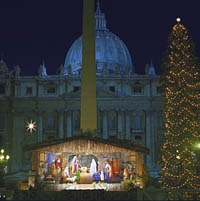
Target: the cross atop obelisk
(88, 120)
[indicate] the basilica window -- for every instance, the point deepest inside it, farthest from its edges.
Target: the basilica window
(112, 88)
(137, 88)
(51, 126)
(137, 122)
(51, 90)
(29, 91)
(112, 124)
(137, 129)
(76, 88)
(51, 122)
(110, 71)
(2, 89)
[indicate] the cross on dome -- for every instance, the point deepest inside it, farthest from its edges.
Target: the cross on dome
(100, 18)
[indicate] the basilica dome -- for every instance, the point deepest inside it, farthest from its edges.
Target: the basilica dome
(112, 55)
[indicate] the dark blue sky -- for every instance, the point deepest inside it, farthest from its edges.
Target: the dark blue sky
(33, 30)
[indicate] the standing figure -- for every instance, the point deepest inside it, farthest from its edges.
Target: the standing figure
(101, 175)
(107, 171)
(74, 165)
(49, 158)
(58, 164)
(125, 174)
(66, 172)
(93, 166)
(53, 169)
(17, 71)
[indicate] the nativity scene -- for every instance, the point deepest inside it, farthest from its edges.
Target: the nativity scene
(83, 161)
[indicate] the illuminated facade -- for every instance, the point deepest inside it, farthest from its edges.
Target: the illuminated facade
(129, 105)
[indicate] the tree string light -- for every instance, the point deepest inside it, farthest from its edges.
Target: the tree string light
(181, 82)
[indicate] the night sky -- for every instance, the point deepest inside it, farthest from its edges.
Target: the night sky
(36, 30)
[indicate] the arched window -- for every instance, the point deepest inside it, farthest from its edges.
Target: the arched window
(51, 123)
(137, 122)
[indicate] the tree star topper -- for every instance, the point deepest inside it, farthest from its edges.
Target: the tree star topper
(31, 126)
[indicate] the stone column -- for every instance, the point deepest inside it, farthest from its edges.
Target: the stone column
(154, 139)
(40, 130)
(149, 138)
(69, 124)
(61, 134)
(119, 123)
(105, 125)
(99, 124)
(17, 141)
(127, 125)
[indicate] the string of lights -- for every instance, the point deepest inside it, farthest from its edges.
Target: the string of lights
(180, 165)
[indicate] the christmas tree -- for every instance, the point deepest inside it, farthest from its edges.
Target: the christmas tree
(180, 79)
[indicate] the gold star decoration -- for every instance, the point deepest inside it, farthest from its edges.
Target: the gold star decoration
(31, 126)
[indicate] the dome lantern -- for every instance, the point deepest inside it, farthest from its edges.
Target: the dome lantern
(100, 18)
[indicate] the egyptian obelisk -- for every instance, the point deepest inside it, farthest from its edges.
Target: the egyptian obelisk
(88, 120)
